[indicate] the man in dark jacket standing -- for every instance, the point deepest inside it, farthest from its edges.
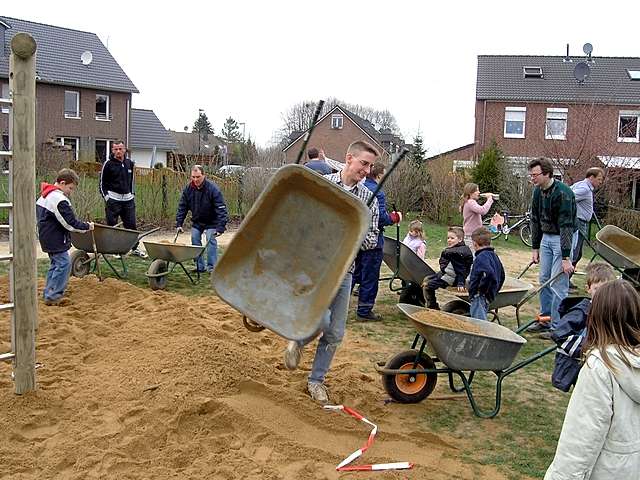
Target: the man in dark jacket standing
(117, 189)
(208, 215)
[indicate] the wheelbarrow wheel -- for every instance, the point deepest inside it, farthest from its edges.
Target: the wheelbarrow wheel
(80, 264)
(157, 267)
(251, 325)
(410, 388)
(459, 307)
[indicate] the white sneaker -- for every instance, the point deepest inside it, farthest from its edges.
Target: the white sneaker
(292, 355)
(139, 253)
(318, 392)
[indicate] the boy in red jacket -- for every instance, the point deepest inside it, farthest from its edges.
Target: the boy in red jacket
(55, 220)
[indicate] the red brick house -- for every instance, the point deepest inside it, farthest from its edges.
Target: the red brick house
(534, 106)
(83, 100)
(337, 129)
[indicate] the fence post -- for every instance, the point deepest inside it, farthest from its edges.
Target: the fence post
(165, 200)
(22, 80)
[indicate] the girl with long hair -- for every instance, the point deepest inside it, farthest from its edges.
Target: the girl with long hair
(472, 211)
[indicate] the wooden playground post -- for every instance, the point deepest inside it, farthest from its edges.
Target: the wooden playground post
(23, 274)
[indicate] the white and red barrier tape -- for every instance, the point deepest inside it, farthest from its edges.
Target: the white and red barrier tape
(343, 465)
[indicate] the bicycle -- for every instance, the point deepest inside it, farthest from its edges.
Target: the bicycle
(523, 224)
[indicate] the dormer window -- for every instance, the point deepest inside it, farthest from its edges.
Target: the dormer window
(532, 72)
(634, 74)
(336, 121)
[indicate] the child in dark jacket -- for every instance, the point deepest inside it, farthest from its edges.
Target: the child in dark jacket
(487, 274)
(55, 220)
(455, 263)
(570, 333)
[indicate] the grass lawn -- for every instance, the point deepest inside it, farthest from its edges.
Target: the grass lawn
(521, 440)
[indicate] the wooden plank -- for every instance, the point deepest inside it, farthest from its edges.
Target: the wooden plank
(22, 78)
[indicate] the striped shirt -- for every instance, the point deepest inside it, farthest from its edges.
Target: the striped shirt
(363, 193)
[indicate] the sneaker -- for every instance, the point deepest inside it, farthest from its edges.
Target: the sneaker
(318, 392)
(52, 301)
(117, 256)
(139, 253)
(538, 327)
(292, 355)
(369, 317)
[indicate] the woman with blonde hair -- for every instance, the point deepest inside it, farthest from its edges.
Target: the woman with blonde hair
(415, 238)
(600, 436)
(472, 211)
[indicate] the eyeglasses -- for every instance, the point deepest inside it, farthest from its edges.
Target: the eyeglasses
(535, 175)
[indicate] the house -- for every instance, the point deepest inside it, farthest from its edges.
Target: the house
(83, 97)
(337, 129)
(150, 143)
(578, 111)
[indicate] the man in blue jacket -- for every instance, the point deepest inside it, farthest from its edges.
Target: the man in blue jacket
(368, 262)
(208, 215)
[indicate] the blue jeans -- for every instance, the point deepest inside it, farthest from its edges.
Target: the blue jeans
(57, 276)
(212, 248)
(550, 265)
(333, 326)
(479, 307)
(368, 263)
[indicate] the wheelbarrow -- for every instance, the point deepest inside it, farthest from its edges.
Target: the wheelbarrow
(103, 241)
(621, 250)
(463, 346)
(166, 256)
(411, 270)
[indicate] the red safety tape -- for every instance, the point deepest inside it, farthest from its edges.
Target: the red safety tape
(343, 465)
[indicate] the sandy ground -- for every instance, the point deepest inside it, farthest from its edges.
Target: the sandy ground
(140, 384)
(223, 240)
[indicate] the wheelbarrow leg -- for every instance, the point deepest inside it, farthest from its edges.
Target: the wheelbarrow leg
(467, 387)
(452, 385)
(194, 282)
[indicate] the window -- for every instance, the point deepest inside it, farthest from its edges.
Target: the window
(103, 147)
(72, 143)
(532, 72)
(556, 125)
(336, 121)
(102, 107)
(514, 120)
(633, 74)
(71, 104)
(628, 126)
(4, 93)
(5, 142)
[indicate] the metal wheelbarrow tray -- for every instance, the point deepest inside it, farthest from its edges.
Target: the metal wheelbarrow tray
(411, 376)
(299, 211)
(108, 241)
(620, 249)
(164, 254)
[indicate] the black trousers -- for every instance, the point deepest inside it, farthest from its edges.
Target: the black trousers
(126, 211)
(429, 287)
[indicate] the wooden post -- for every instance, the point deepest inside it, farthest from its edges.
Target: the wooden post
(22, 82)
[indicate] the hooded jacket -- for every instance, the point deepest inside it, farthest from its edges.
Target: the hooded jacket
(56, 219)
(600, 437)
(487, 274)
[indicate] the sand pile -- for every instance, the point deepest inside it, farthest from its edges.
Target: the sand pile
(141, 384)
(439, 319)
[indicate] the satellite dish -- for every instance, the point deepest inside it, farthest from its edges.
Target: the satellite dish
(582, 71)
(587, 48)
(86, 58)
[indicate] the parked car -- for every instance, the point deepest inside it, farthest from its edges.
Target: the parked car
(231, 170)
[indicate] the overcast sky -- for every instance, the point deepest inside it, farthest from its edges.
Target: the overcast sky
(253, 59)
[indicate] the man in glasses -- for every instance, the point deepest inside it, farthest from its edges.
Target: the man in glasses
(553, 221)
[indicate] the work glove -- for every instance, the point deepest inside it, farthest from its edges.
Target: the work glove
(396, 217)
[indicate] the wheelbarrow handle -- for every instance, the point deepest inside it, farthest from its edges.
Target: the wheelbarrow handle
(525, 270)
(533, 293)
(148, 233)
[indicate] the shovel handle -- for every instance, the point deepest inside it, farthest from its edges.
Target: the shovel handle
(176, 237)
(307, 135)
(95, 253)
